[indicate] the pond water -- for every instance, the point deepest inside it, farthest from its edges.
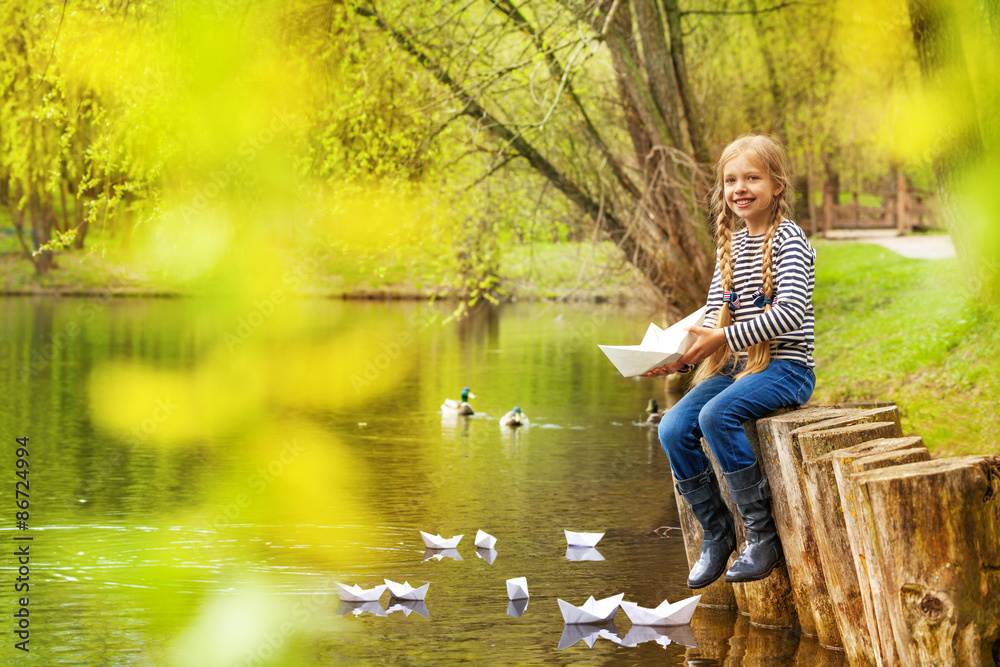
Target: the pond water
(202, 472)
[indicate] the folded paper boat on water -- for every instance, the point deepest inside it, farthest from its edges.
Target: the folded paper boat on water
(517, 588)
(658, 347)
(677, 613)
(357, 594)
(438, 542)
(591, 611)
(582, 539)
(484, 540)
(405, 591)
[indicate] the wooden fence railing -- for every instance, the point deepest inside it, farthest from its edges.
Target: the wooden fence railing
(902, 212)
(890, 556)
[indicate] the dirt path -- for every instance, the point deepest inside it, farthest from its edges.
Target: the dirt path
(924, 246)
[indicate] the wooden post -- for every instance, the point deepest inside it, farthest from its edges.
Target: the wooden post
(856, 213)
(782, 459)
(827, 209)
(846, 462)
(774, 437)
(901, 226)
(936, 530)
(837, 565)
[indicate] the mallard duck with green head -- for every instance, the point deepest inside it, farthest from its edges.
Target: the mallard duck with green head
(514, 418)
(458, 407)
(653, 410)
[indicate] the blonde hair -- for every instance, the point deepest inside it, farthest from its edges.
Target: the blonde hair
(769, 155)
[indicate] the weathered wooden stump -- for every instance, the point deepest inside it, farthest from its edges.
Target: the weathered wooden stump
(781, 458)
(842, 581)
(936, 533)
(846, 462)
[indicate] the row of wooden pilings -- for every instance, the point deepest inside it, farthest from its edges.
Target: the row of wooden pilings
(890, 556)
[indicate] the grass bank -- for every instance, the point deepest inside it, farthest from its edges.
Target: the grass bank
(906, 330)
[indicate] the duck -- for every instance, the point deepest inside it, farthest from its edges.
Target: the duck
(514, 418)
(653, 410)
(460, 407)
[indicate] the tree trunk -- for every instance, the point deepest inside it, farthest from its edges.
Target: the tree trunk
(656, 56)
(847, 462)
(41, 229)
(936, 530)
(692, 115)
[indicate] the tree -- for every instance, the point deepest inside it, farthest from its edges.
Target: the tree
(630, 150)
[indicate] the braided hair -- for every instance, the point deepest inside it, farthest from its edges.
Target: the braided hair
(769, 155)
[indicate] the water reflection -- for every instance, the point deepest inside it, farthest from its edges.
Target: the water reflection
(588, 633)
(488, 555)
(516, 608)
(583, 553)
(315, 454)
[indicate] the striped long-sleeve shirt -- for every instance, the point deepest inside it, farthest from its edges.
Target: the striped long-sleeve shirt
(789, 323)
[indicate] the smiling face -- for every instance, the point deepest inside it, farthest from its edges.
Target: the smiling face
(749, 192)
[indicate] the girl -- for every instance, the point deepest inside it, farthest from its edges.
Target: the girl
(757, 347)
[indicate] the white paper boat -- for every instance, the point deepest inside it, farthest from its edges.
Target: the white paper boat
(488, 555)
(408, 607)
(658, 346)
(358, 608)
(588, 633)
(677, 613)
(485, 540)
(582, 539)
(441, 554)
(583, 553)
(405, 591)
(438, 542)
(591, 611)
(517, 607)
(357, 594)
(517, 588)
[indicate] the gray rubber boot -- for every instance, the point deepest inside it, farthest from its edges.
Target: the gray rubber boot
(718, 532)
(750, 491)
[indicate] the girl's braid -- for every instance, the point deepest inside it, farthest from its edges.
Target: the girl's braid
(766, 263)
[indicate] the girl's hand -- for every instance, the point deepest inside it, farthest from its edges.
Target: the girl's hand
(709, 340)
(666, 369)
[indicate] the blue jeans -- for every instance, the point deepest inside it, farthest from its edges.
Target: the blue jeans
(717, 408)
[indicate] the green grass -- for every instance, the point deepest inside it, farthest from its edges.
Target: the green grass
(571, 270)
(908, 331)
